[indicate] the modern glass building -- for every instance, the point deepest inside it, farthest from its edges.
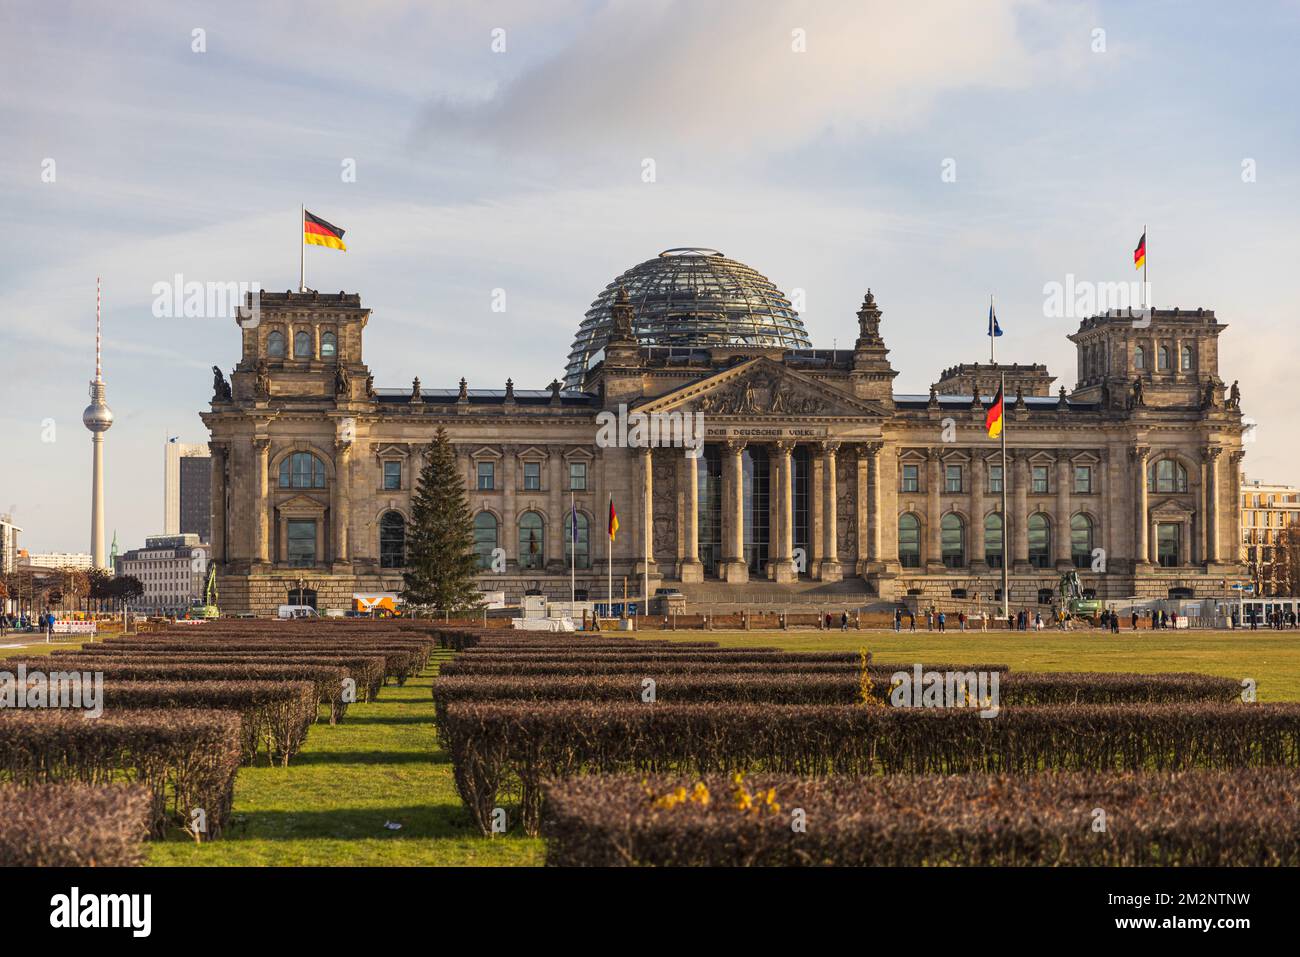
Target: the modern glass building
(690, 297)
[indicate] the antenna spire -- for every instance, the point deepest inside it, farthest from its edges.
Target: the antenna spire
(99, 331)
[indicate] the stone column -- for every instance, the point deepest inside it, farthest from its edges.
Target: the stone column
(1141, 520)
(873, 486)
(933, 515)
(342, 503)
(978, 479)
(509, 520)
(261, 500)
(816, 514)
(1061, 540)
(783, 570)
(217, 509)
(1017, 524)
(830, 570)
(645, 540)
(1185, 543)
(1212, 503)
(691, 570)
(734, 567)
(561, 534)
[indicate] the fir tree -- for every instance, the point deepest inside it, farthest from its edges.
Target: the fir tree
(440, 536)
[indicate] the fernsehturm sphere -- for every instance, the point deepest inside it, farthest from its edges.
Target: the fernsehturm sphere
(99, 419)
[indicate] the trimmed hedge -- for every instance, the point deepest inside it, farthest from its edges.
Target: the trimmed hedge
(399, 663)
(459, 667)
(367, 671)
(499, 744)
(73, 825)
(326, 679)
(186, 759)
(274, 715)
(1246, 818)
(805, 688)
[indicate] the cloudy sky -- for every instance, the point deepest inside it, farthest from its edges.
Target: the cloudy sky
(937, 152)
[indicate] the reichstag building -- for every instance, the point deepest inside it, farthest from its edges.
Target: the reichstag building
(814, 475)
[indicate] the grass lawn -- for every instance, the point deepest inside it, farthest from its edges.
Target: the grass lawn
(383, 762)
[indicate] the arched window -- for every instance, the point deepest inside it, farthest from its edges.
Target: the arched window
(953, 539)
(485, 538)
(1139, 358)
(392, 540)
(302, 345)
(275, 344)
(1040, 541)
(909, 540)
(1166, 475)
(329, 345)
(577, 548)
(532, 541)
(302, 470)
(993, 541)
(1081, 541)
(1186, 360)
(1162, 359)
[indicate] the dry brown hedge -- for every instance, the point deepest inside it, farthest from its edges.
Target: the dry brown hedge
(489, 667)
(367, 670)
(326, 678)
(502, 745)
(1245, 818)
(187, 759)
(73, 825)
(400, 663)
(813, 688)
(274, 715)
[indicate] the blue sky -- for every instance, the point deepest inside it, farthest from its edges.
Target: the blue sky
(522, 170)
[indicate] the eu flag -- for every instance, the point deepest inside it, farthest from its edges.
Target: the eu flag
(994, 328)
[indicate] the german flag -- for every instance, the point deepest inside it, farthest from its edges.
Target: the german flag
(317, 232)
(1140, 254)
(613, 520)
(993, 417)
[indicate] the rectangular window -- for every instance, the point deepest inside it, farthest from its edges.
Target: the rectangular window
(486, 476)
(1083, 479)
(302, 542)
(532, 476)
(952, 478)
(392, 475)
(1167, 535)
(911, 478)
(578, 476)
(1039, 486)
(995, 478)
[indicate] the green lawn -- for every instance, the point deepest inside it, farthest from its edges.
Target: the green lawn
(383, 762)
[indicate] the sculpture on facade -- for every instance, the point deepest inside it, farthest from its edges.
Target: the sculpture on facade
(415, 389)
(220, 387)
(1137, 400)
(342, 381)
(370, 386)
(262, 380)
(463, 394)
(1234, 396)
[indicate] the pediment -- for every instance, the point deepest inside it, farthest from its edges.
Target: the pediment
(300, 504)
(760, 388)
(1171, 508)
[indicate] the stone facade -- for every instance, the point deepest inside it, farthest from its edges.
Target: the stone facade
(812, 468)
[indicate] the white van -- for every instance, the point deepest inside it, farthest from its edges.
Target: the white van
(297, 611)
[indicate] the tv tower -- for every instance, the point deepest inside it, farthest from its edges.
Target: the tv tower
(99, 419)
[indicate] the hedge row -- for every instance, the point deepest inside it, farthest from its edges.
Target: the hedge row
(73, 825)
(367, 671)
(186, 759)
(669, 666)
(399, 663)
(806, 688)
(1190, 819)
(274, 715)
(327, 679)
(496, 745)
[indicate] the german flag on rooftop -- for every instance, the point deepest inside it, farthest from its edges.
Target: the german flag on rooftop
(317, 232)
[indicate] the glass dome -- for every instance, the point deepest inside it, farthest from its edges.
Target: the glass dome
(690, 297)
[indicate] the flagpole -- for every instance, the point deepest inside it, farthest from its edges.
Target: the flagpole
(573, 553)
(1006, 531)
(609, 554)
(992, 338)
(1144, 266)
(302, 250)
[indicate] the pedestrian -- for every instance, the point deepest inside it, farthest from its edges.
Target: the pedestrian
(844, 620)
(929, 619)
(898, 620)
(942, 619)
(911, 622)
